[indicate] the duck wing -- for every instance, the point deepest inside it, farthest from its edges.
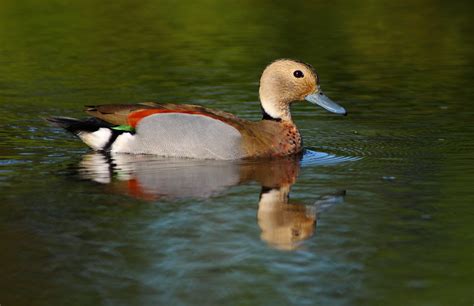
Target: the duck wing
(131, 114)
(180, 130)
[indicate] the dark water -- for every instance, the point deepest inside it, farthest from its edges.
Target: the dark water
(380, 208)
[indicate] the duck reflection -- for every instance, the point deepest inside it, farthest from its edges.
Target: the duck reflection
(284, 224)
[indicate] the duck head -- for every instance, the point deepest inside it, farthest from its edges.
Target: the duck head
(285, 81)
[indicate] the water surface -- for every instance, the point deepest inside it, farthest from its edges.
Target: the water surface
(378, 210)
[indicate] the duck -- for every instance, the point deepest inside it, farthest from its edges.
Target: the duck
(194, 131)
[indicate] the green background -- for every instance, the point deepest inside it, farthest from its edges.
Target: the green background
(402, 69)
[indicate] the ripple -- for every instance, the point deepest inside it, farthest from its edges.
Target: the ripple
(311, 158)
(10, 162)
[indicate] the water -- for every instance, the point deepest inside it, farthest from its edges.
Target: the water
(380, 206)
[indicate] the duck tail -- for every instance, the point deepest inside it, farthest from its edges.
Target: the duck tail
(76, 126)
(94, 132)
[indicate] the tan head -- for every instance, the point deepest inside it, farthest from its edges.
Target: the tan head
(285, 81)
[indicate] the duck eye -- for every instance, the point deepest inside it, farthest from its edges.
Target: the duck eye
(298, 74)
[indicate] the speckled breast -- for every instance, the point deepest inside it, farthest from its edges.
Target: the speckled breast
(291, 142)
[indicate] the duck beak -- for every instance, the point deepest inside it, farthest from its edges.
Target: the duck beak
(322, 100)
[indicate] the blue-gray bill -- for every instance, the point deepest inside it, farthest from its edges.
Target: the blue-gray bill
(326, 103)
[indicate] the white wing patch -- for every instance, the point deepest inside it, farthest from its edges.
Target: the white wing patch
(96, 140)
(123, 143)
(182, 135)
